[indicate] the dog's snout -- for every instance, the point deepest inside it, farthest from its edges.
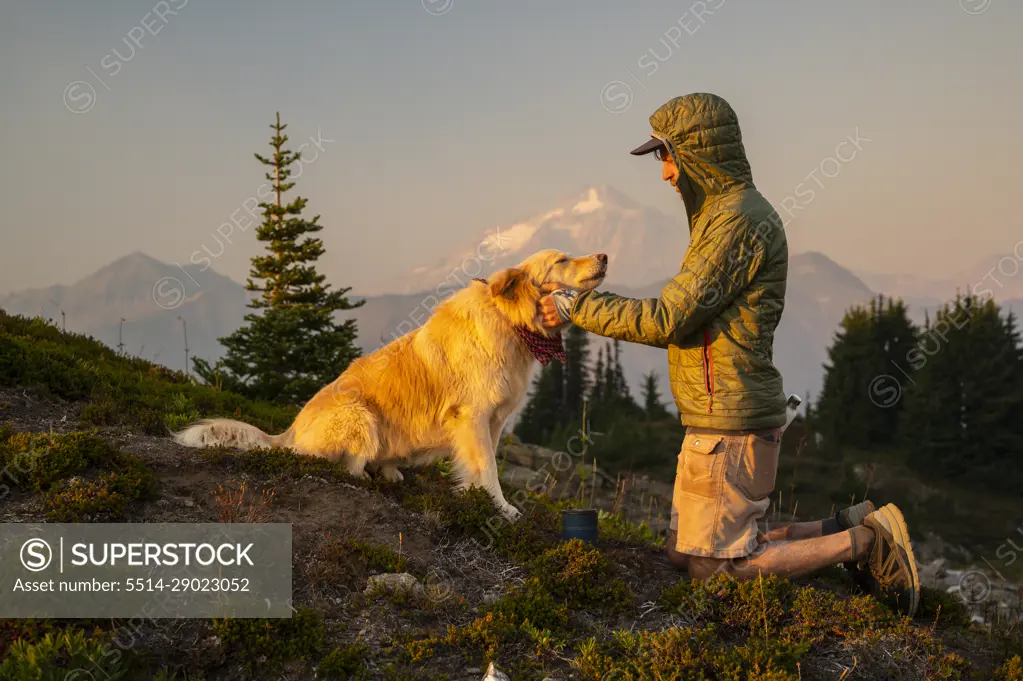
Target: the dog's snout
(602, 258)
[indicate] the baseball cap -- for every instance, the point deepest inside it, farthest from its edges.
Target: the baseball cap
(651, 145)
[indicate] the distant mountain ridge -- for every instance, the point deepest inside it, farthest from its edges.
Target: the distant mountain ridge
(157, 300)
(153, 298)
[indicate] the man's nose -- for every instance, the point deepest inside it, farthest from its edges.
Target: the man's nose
(602, 258)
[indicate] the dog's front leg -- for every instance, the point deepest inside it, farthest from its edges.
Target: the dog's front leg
(474, 454)
(497, 421)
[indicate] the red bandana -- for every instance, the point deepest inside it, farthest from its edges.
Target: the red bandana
(543, 348)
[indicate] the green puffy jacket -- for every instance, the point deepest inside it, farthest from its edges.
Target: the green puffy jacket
(718, 315)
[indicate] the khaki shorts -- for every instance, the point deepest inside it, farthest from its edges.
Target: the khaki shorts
(723, 485)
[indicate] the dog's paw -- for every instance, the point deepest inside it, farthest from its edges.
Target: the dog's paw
(391, 474)
(510, 513)
(358, 473)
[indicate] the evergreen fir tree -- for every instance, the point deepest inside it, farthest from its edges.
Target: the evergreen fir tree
(597, 389)
(861, 400)
(652, 405)
(624, 399)
(932, 428)
(577, 357)
(622, 386)
(295, 347)
(542, 414)
(895, 337)
(610, 376)
(557, 387)
(962, 412)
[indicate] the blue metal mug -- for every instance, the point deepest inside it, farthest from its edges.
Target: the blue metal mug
(579, 523)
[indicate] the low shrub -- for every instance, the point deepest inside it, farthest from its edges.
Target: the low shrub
(272, 641)
(79, 500)
(82, 477)
(687, 654)
(580, 576)
(614, 527)
(278, 462)
(942, 608)
(57, 655)
(344, 664)
(471, 514)
(36, 462)
(1010, 670)
(33, 630)
(101, 411)
(774, 607)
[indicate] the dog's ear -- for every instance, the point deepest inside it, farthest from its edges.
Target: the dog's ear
(506, 283)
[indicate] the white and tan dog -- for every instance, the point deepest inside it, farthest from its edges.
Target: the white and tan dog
(446, 388)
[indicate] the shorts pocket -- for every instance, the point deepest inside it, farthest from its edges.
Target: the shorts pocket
(758, 467)
(700, 466)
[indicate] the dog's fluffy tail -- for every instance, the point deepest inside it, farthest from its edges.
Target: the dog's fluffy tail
(229, 433)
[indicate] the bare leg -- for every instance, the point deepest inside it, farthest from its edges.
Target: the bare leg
(793, 532)
(789, 559)
(797, 531)
(819, 528)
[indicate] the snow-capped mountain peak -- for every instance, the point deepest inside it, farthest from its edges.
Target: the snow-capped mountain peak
(642, 243)
(591, 203)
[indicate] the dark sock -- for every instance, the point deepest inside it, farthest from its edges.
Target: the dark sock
(854, 549)
(860, 539)
(830, 526)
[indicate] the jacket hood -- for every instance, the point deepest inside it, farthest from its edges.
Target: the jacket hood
(702, 132)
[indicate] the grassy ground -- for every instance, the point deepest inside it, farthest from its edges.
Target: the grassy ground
(486, 591)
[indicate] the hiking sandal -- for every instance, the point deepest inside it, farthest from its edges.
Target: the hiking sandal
(891, 563)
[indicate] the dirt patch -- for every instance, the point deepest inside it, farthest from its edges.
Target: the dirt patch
(29, 409)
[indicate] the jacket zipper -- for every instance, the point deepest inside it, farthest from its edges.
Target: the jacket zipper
(708, 371)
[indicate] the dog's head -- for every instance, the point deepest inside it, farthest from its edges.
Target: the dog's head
(517, 291)
(551, 269)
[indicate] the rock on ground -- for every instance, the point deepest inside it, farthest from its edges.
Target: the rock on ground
(394, 582)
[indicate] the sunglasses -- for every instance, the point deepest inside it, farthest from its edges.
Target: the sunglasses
(662, 154)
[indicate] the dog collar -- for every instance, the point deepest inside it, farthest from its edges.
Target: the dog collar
(543, 348)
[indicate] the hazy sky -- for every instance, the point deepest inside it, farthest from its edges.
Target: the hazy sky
(449, 117)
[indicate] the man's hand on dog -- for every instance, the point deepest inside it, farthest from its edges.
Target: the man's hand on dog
(550, 312)
(556, 307)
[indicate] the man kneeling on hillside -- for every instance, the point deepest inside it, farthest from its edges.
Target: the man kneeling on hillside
(717, 319)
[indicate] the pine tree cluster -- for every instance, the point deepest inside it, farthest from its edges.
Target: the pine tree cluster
(947, 396)
(625, 433)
